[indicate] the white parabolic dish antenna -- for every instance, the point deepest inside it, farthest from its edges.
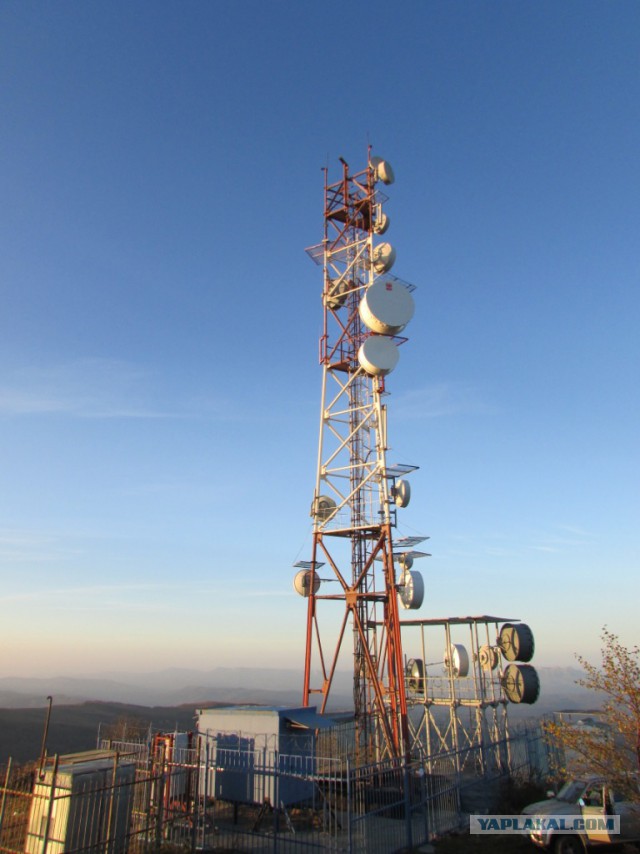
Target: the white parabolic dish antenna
(456, 660)
(383, 170)
(411, 590)
(378, 355)
(325, 508)
(402, 493)
(381, 224)
(405, 561)
(384, 257)
(302, 582)
(386, 307)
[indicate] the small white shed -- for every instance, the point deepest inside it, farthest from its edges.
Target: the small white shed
(83, 804)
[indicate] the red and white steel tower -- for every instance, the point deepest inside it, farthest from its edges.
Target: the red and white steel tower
(357, 492)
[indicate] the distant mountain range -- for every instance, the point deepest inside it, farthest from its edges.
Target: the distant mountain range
(237, 685)
(176, 686)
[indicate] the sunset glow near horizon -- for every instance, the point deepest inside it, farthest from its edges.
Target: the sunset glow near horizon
(160, 388)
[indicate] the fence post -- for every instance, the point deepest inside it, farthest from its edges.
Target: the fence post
(112, 797)
(196, 799)
(425, 800)
(52, 791)
(349, 796)
(159, 787)
(4, 794)
(407, 804)
(276, 799)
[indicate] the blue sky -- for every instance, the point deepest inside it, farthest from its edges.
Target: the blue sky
(159, 390)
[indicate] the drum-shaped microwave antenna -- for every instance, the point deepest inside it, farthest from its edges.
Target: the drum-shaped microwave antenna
(456, 660)
(386, 307)
(520, 683)
(411, 590)
(381, 223)
(302, 582)
(336, 295)
(516, 642)
(488, 657)
(378, 355)
(402, 493)
(415, 674)
(325, 508)
(405, 561)
(384, 256)
(382, 170)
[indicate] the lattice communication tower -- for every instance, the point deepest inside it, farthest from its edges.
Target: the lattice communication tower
(357, 492)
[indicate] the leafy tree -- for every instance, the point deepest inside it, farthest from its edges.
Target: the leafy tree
(126, 728)
(611, 749)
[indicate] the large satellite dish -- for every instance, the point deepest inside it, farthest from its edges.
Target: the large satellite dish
(378, 355)
(386, 307)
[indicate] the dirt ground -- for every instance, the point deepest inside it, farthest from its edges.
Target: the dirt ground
(462, 843)
(466, 844)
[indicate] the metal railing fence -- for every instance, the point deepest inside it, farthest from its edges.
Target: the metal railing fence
(206, 798)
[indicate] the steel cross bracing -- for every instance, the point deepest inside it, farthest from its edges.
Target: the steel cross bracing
(451, 715)
(353, 507)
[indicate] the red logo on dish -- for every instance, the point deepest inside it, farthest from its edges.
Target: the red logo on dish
(389, 286)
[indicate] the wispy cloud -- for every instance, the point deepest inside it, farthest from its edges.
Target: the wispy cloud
(560, 540)
(106, 592)
(440, 399)
(18, 547)
(564, 538)
(142, 598)
(106, 388)
(88, 388)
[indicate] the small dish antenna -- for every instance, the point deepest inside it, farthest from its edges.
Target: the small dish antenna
(384, 256)
(456, 661)
(382, 170)
(488, 657)
(336, 295)
(302, 582)
(415, 674)
(405, 561)
(402, 493)
(411, 590)
(325, 507)
(382, 221)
